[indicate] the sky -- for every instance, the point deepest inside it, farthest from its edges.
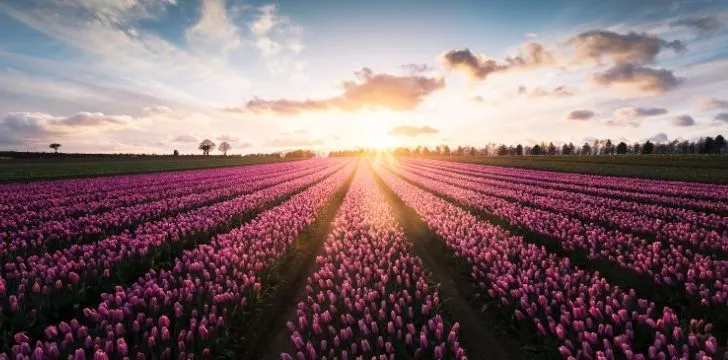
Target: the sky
(151, 76)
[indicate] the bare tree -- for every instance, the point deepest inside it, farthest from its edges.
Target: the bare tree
(224, 147)
(55, 146)
(206, 146)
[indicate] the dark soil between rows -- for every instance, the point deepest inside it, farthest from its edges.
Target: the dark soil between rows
(482, 334)
(265, 335)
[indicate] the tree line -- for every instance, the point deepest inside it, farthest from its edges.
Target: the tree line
(707, 145)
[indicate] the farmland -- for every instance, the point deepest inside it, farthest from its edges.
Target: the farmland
(46, 169)
(386, 258)
(681, 167)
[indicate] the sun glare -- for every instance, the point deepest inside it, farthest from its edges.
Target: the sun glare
(381, 142)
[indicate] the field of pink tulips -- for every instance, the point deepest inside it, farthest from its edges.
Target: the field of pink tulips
(370, 258)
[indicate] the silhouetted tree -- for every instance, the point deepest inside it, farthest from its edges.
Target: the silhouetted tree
(586, 149)
(175, 153)
(473, 151)
(55, 146)
(608, 147)
(648, 147)
(719, 144)
(551, 149)
(446, 150)
(567, 149)
(206, 146)
(708, 145)
(519, 150)
(622, 147)
(536, 150)
(224, 147)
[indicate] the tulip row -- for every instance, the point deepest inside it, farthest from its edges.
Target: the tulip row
(26, 215)
(578, 313)
(32, 195)
(591, 208)
(54, 235)
(522, 176)
(685, 189)
(673, 213)
(370, 297)
(36, 289)
(702, 277)
(184, 312)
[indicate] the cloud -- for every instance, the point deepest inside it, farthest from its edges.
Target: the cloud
(658, 138)
(184, 139)
(22, 127)
(474, 66)
(92, 119)
(227, 138)
(417, 68)
(683, 120)
(539, 92)
(713, 104)
(641, 78)
(531, 35)
(412, 131)
(115, 50)
(635, 112)
(479, 66)
(632, 48)
(632, 116)
(157, 110)
(291, 142)
(722, 117)
(580, 115)
(120, 11)
(369, 91)
(214, 32)
(703, 25)
(273, 33)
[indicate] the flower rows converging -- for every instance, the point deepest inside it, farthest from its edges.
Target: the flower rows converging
(692, 195)
(38, 289)
(183, 311)
(701, 276)
(582, 312)
(23, 208)
(693, 190)
(370, 297)
(58, 234)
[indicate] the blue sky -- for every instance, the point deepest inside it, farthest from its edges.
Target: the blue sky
(156, 75)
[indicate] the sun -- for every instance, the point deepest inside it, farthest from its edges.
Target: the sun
(381, 142)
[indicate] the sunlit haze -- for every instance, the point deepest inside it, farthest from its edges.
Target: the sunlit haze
(150, 76)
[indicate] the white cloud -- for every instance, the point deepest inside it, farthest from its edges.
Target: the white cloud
(214, 33)
(142, 60)
(274, 34)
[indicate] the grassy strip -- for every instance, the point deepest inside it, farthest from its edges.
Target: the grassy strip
(696, 168)
(24, 171)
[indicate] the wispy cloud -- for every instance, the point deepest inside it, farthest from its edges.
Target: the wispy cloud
(369, 91)
(214, 33)
(412, 131)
